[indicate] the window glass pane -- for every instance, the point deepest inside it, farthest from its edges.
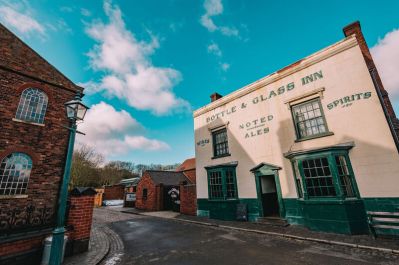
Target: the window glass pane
(309, 119)
(298, 180)
(344, 176)
(216, 185)
(220, 143)
(32, 105)
(222, 184)
(14, 174)
(230, 184)
(318, 178)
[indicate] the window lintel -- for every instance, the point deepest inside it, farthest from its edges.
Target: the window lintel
(316, 93)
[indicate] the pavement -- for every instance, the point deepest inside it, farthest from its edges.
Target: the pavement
(168, 238)
(105, 245)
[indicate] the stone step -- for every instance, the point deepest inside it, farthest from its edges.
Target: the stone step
(275, 221)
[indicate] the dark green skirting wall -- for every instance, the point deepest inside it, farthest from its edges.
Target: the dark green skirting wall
(345, 217)
(226, 210)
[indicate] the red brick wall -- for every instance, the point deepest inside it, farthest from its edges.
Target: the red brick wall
(21, 245)
(19, 57)
(190, 174)
(20, 68)
(153, 202)
(115, 192)
(80, 216)
(188, 199)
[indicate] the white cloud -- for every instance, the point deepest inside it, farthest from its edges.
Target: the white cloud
(85, 12)
(113, 132)
(386, 56)
(128, 71)
(213, 48)
(19, 17)
(225, 66)
(67, 9)
(215, 8)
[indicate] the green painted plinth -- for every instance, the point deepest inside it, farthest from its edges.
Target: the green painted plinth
(345, 216)
(226, 209)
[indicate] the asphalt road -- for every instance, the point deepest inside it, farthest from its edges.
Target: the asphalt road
(151, 240)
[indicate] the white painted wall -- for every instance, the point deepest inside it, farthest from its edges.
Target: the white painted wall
(374, 158)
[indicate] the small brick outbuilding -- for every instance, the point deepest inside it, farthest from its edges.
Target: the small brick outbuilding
(168, 190)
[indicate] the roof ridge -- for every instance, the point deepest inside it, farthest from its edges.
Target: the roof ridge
(45, 60)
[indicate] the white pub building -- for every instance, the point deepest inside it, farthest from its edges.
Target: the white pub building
(314, 143)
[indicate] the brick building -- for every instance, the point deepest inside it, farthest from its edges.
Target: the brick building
(188, 169)
(159, 190)
(313, 144)
(33, 145)
(168, 190)
(188, 190)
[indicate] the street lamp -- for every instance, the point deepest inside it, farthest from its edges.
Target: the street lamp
(76, 110)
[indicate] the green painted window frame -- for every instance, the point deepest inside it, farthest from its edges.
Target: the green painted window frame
(330, 155)
(313, 136)
(214, 144)
(223, 171)
(297, 178)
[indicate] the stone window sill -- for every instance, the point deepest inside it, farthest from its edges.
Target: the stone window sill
(5, 197)
(28, 122)
(314, 137)
(220, 156)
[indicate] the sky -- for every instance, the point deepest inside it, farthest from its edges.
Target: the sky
(147, 64)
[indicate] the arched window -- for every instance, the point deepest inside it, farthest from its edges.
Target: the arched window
(14, 174)
(32, 105)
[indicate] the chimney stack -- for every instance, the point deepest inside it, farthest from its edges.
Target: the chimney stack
(215, 96)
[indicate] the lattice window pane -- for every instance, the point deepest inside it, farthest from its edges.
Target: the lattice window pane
(216, 185)
(32, 105)
(220, 142)
(230, 184)
(318, 178)
(309, 119)
(14, 174)
(344, 176)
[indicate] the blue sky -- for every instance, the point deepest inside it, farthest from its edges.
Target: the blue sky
(147, 64)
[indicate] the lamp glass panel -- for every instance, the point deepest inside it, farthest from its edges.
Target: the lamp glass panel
(71, 111)
(81, 111)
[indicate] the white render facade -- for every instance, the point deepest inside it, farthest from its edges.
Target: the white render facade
(310, 143)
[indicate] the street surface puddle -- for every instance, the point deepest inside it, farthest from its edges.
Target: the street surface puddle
(327, 252)
(114, 259)
(232, 238)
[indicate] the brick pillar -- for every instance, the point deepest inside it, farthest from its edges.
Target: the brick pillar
(159, 189)
(79, 218)
(355, 29)
(188, 199)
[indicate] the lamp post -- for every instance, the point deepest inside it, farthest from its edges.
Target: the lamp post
(76, 110)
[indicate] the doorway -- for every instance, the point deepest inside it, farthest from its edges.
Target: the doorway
(269, 196)
(171, 198)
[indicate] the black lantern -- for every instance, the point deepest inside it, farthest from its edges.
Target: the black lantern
(76, 110)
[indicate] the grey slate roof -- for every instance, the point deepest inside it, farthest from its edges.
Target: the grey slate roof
(167, 178)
